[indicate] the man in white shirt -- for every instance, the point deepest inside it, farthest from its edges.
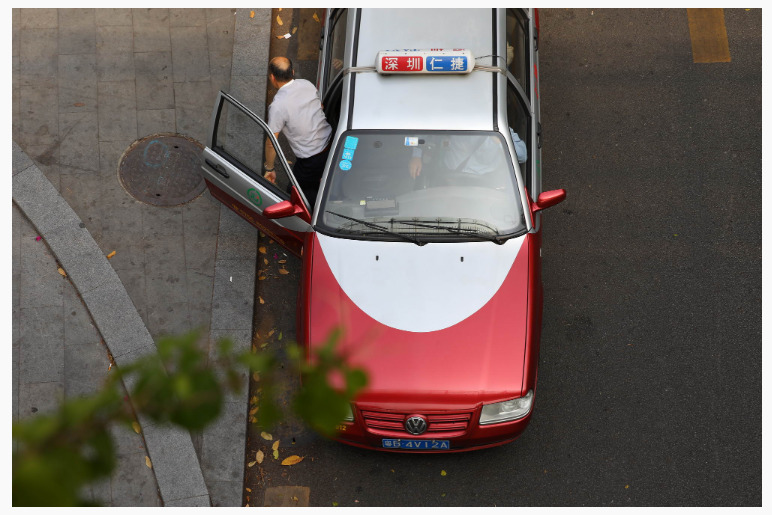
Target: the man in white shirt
(296, 111)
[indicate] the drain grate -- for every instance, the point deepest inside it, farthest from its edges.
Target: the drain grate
(163, 170)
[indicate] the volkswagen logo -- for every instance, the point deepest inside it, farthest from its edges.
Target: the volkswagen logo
(416, 425)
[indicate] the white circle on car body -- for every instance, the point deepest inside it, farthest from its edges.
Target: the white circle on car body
(419, 289)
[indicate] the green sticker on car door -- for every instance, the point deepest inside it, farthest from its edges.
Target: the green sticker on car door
(255, 197)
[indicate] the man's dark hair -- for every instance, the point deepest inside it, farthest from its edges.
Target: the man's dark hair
(281, 69)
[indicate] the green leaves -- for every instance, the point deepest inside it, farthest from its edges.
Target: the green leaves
(322, 401)
(56, 455)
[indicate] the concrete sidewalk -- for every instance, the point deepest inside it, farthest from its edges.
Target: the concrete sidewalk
(87, 83)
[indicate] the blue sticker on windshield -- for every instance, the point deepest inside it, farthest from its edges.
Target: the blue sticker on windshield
(351, 142)
(348, 153)
(345, 165)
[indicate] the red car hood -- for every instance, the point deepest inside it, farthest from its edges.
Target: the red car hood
(440, 324)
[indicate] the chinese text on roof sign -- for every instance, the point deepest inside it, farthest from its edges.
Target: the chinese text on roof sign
(433, 60)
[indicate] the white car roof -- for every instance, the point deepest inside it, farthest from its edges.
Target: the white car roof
(448, 102)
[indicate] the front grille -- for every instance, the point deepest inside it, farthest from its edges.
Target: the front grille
(440, 424)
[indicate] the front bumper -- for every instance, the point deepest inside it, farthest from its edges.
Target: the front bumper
(372, 425)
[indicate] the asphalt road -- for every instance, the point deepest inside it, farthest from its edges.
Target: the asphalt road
(650, 373)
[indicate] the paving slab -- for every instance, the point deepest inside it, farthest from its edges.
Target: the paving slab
(151, 30)
(106, 16)
(78, 129)
(155, 84)
(190, 53)
(41, 352)
(77, 31)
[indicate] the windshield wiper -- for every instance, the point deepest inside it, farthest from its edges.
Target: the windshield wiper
(459, 230)
(381, 229)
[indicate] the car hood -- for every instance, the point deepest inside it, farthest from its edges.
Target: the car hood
(441, 323)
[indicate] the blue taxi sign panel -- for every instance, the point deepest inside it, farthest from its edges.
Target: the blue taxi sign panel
(431, 61)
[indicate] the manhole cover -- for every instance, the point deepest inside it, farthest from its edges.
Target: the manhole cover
(163, 170)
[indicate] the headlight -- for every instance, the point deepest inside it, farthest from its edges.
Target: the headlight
(505, 411)
(349, 415)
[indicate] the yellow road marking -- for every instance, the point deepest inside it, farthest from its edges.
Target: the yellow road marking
(708, 33)
(287, 496)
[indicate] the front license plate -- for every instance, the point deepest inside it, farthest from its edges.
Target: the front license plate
(428, 445)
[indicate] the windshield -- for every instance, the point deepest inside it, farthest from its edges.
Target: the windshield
(429, 186)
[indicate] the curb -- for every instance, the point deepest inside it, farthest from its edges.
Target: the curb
(170, 449)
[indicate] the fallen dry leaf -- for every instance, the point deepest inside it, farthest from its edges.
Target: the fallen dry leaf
(249, 490)
(265, 261)
(282, 261)
(261, 300)
(260, 456)
(276, 455)
(266, 436)
(62, 272)
(262, 250)
(283, 271)
(280, 336)
(316, 18)
(251, 14)
(278, 20)
(275, 445)
(253, 410)
(135, 426)
(148, 463)
(294, 29)
(271, 332)
(111, 254)
(251, 464)
(292, 460)
(256, 376)
(443, 473)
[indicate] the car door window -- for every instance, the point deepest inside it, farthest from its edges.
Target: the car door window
(331, 103)
(336, 46)
(519, 48)
(519, 119)
(241, 140)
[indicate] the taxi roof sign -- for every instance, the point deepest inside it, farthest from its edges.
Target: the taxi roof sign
(431, 61)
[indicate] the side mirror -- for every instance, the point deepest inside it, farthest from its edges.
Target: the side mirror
(281, 209)
(292, 207)
(548, 199)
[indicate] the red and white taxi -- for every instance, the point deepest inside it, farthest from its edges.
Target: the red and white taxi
(424, 243)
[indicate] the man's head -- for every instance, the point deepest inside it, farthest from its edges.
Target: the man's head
(280, 71)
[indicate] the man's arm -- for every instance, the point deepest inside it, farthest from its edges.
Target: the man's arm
(270, 158)
(416, 163)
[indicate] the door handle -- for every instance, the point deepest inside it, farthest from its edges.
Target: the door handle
(217, 168)
(538, 136)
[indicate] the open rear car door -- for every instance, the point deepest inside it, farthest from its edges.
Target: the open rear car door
(233, 165)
